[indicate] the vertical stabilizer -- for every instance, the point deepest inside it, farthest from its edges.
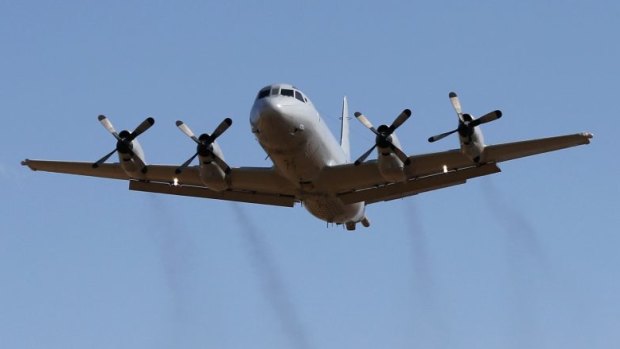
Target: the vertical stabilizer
(344, 130)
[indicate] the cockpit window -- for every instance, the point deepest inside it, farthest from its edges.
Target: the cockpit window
(275, 91)
(299, 96)
(263, 93)
(287, 92)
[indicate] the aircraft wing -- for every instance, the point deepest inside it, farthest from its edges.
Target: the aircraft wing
(247, 184)
(510, 151)
(434, 170)
(350, 183)
(416, 186)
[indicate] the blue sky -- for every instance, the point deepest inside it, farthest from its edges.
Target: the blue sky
(524, 258)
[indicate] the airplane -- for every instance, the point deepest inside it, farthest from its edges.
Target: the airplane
(309, 165)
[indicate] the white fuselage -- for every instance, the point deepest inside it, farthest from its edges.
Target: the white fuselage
(300, 144)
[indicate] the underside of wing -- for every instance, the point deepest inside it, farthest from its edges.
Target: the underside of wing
(418, 185)
(515, 150)
(350, 177)
(363, 182)
(245, 184)
(203, 192)
(351, 183)
(113, 171)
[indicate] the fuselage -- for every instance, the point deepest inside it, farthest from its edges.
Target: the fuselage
(291, 131)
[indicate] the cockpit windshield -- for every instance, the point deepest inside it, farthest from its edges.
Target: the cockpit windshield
(299, 96)
(263, 93)
(286, 92)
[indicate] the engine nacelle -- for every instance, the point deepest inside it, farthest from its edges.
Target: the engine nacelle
(472, 141)
(390, 166)
(135, 165)
(211, 174)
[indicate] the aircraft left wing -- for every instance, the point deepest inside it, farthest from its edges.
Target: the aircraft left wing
(416, 186)
(247, 184)
(434, 170)
(515, 150)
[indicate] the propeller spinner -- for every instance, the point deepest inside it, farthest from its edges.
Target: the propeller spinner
(384, 135)
(204, 143)
(124, 139)
(466, 121)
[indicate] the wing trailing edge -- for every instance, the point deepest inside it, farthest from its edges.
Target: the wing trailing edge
(202, 192)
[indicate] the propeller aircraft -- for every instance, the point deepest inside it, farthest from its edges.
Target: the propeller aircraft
(309, 165)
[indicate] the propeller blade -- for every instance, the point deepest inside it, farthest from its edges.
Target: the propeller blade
(185, 164)
(364, 120)
(103, 159)
(401, 155)
(221, 128)
(494, 115)
(400, 119)
(456, 104)
(365, 155)
(441, 136)
(185, 129)
(221, 163)
(108, 126)
(145, 125)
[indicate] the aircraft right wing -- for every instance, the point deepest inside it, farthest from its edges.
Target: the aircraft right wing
(259, 185)
(253, 197)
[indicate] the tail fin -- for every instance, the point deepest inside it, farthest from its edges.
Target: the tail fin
(344, 130)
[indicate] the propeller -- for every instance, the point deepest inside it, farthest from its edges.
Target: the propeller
(123, 139)
(466, 121)
(384, 135)
(205, 144)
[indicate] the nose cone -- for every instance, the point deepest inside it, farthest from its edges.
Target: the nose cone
(269, 113)
(269, 109)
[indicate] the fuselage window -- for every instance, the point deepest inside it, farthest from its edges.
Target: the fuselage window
(263, 93)
(299, 96)
(287, 92)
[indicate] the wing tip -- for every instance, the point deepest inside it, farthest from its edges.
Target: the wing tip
(27, 162)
